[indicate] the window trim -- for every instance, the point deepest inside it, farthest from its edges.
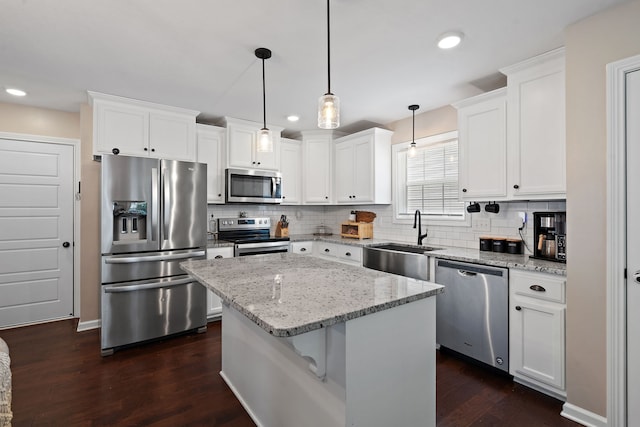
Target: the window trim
(398, 169)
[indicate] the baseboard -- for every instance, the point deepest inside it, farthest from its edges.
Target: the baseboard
(582, 416)
(88, 325)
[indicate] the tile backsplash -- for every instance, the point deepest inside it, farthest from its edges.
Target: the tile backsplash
(306, 219)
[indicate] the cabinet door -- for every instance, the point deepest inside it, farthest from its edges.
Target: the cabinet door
(214, 303)
(291, 161)
(209, 151)
(344, 175)
(483, 150)
(537, 341)
(536, 127)
(363, 174)
(241, 141)
(172, 136)
(269, 160)
(317, 171)
(122, 127)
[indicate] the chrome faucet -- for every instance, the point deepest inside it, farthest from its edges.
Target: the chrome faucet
(417, 220)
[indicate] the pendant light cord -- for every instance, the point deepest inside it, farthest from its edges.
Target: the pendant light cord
(264, 99)
(328, 50)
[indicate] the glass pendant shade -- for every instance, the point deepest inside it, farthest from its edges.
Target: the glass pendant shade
(328, 111)
(413, 150)
(265, 142)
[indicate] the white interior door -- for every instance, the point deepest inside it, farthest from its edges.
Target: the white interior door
(36, 231)
(633, 246)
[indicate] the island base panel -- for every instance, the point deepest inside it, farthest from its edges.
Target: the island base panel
(380, 371)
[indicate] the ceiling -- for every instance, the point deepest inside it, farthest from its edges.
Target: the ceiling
(199, 54)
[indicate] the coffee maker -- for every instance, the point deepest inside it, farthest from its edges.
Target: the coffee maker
(550, 234)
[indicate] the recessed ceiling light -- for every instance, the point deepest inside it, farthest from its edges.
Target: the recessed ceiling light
(449, 40)
(293, 118)
(15, 92)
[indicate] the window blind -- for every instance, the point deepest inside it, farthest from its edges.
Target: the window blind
(432, 180)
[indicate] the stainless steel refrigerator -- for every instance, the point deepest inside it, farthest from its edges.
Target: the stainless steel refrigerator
(154, 216)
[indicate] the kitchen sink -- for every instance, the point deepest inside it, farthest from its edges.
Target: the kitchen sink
(406, 248)
(404, 260)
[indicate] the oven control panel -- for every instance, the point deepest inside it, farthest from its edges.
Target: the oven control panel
(243, 223)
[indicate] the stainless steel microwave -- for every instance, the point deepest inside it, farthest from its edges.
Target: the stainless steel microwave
(253, 186)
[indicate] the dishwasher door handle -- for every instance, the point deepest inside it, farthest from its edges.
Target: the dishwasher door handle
(465, 273)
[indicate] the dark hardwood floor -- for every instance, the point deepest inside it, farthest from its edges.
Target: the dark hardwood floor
(60, 379)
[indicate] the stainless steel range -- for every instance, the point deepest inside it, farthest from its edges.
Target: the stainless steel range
(251, 236)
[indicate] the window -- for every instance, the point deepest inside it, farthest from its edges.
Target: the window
(429, 181)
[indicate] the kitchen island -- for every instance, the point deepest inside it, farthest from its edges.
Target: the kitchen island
(312, 342)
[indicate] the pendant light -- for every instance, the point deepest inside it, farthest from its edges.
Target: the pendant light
(412, 147)
(328, 104)
(265, 141)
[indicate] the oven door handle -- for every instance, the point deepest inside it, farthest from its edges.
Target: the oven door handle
(284, 244)
(146, 286)
(148, 258)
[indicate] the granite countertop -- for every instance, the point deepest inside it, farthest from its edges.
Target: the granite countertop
(315, 292)
(475, 256)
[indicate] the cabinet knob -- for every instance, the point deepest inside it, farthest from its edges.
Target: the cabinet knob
(303, 249)
(327, 250)
(326, 197)
(518, 308)
(354, 196)
(253, 163)
(348, 254)
(218, 257)
(153, 150)
(284, 197)
(464, 190)
(219, 195)
(66, 244)
(146, 149)
(537, 288)
(116, 151)
(516, 186)
(258, 162)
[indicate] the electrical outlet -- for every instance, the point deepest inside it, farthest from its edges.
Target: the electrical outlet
(482, 224)
(523, 220)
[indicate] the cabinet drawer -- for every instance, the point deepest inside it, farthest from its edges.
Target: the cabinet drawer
(326, 249)
(349, 253)
(304, 248)
(542, 286)
(217, 253)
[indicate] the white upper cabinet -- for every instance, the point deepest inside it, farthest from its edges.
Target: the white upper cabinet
(291, 170)
(482, 140)
(363, 167)
(536, 127)
(317, 168)
(210, 150)
(139, 128)
(242, 138)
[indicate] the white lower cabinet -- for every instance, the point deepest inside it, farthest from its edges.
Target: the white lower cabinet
(337, 252)
(214, 303)
(537, 331)
(303, 248)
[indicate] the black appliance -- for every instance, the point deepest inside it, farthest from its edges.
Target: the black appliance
(550, 233)
(251, 236)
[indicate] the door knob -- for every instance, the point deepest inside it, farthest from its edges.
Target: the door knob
(518, 308)
(636, 276)
(65, 244)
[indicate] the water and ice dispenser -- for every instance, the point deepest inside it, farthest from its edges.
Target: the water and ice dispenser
(129, 221)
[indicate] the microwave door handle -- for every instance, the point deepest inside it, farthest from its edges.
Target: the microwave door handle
(154, 204)
(273, 187)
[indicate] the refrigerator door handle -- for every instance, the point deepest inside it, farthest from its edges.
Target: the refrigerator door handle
(166, 200)
(161, 257)
(146, 286)
(154, 204)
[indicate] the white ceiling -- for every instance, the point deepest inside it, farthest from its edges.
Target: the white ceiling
(199, 54)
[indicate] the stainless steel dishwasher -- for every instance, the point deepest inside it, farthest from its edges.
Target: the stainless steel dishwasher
(472, 315)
